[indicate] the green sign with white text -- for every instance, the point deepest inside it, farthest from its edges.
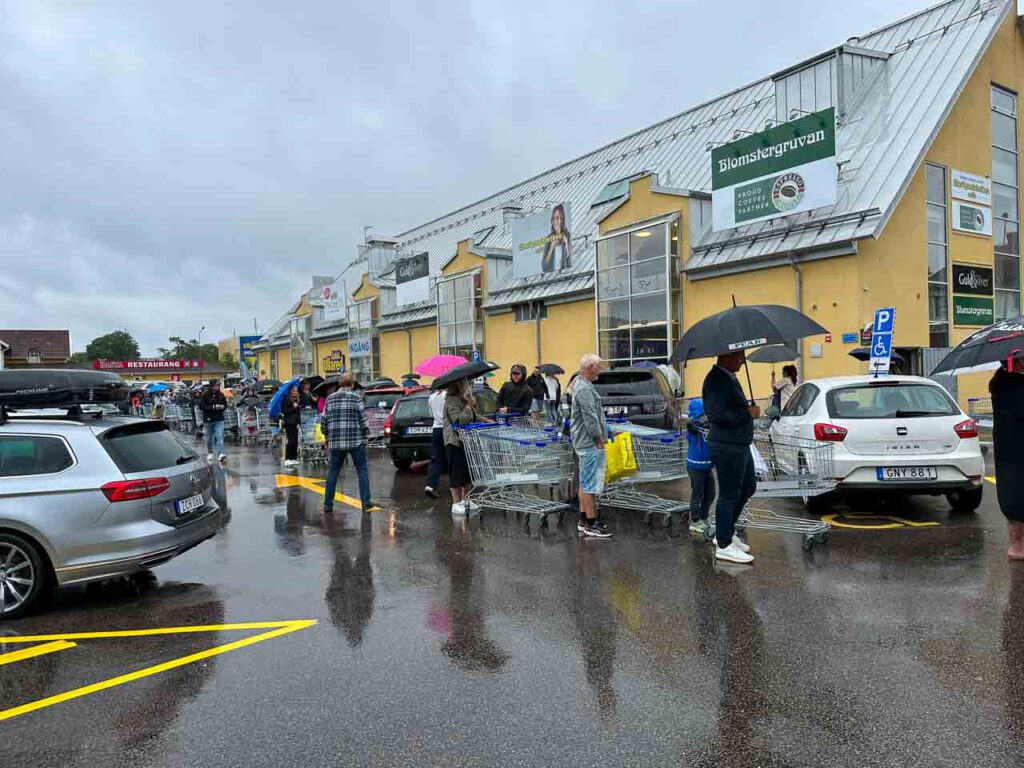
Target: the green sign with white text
(972, 310)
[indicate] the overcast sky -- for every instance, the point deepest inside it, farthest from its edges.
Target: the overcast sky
(171, 165)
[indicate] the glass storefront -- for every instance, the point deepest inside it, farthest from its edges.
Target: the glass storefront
(302, 346)
(363, 343)
(638, 294)
(460, 328)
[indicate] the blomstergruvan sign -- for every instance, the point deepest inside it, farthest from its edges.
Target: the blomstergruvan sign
(779, 172)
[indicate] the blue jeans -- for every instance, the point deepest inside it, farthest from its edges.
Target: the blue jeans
(359, 459)
(737, 482)
(702, 493)
(215, 437)
(438, 458)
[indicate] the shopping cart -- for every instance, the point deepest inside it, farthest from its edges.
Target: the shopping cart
(172, 416)
(376, 418)
(248, 424)
(660, 457)
(504, 458)
(264, 426)
(311, 450)
(980, 409)
(231, 431)
(788, 467)
(186, 419)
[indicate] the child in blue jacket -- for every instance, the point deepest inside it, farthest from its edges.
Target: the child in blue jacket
(698, 466)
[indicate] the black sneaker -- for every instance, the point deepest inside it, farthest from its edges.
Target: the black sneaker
(431, 492)
(581, 525)
(597, 530)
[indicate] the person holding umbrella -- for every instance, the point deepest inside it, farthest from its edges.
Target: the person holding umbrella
(459, 410)
(784, 387)
(291, 415)
(1007, 390)
(552, 391)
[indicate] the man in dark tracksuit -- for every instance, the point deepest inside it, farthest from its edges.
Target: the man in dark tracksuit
(730, 436)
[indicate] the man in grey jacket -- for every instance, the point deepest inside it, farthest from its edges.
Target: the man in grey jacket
(588, 435)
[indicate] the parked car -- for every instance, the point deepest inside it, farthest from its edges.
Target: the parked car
(902, 434)
(642, 395)
(409, 428)
(86, 497)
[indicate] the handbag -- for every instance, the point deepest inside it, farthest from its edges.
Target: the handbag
(620, 460)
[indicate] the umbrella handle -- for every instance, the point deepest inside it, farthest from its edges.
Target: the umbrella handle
(750, 384)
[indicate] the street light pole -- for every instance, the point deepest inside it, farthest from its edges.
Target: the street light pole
(200, 342)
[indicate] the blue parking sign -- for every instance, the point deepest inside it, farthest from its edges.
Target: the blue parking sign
(884, 320)
(881, 341)
(476, 356)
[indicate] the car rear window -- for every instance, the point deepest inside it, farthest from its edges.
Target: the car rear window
(626, 384)
(145, 447)
(381, 399)
(898, 400)
(413, 408)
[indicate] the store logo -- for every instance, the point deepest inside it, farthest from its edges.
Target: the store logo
(973, 279)
(747, 344)
(788, 191)
(327, 292)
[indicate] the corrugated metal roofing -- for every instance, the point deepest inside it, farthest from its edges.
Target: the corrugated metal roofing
(410, 314)
(881, 141)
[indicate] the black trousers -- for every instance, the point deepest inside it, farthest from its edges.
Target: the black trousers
(291, 436)
(734, 466)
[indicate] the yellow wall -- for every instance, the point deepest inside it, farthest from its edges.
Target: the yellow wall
(465, 260)
(642, 205)
(400, 347)
(263, 363)
(324, 348)
(366, 290)
(568, 332)
(284, 363)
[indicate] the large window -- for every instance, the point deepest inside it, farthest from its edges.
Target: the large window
(460, 330)
(301, 345)
(938, 260)
(810, 89)
(1005, 211)
(635, 290)
(363, 347)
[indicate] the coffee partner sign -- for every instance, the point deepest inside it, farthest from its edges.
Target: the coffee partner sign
(975, 219)
(972, 295)
(779, 172)
(412, 279)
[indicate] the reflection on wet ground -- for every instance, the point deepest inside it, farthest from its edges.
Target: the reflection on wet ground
(446, 641)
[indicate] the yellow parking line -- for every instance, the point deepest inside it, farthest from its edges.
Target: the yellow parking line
(37, 650)
(312, 484)
(155, 631)
(283, 628)
(991, 479)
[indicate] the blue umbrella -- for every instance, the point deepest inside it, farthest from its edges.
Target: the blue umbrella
(156, 387)
(279, 396)
(645, 364)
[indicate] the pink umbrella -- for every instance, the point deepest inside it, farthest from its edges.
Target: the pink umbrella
(438, 364)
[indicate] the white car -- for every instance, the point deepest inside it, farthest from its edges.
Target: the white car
(888, 433)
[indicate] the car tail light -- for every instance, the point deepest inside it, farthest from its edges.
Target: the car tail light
(387, 424)
(966, 429)
(658, 406)
(829, 433)
(131, 490)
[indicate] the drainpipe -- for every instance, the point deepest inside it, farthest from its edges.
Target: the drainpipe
(799, 290)
(536, 325)
(408, 336)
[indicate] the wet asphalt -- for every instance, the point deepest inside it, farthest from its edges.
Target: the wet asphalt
(452, 642)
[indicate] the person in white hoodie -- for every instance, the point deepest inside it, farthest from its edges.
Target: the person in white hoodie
(438, 459)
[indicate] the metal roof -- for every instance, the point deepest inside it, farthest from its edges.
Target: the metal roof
(880, 142)
(410, 314)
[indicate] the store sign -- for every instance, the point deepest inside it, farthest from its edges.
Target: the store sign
(779, 172)
(976, 281)
(360, 346)
(246, 354)
(542, 242)
(972, 310)
(144, 365)
(976, 219)
(412, 279)
(970, 187)
(333, 298)
(333, 362)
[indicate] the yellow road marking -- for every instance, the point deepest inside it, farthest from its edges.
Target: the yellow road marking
(146, 632)
(37, 650)
(281, 628)
(313, 484)
(835, 519)
(991, 479)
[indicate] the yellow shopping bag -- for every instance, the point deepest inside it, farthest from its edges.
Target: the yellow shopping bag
(619, 458)
(318, 434)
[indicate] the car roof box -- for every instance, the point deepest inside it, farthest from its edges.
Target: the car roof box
(58, 388)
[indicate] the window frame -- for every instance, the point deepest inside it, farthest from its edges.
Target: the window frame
(60, 438)
(458, 298)
(937, 325)
(796, 400)
(994, 108)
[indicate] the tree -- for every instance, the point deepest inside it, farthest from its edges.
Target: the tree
(181, 349)
(78, 358)
(116, 345)
(228, 360)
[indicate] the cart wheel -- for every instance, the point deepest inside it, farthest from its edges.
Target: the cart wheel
(544, 521)
(709, 533)
(820, 538)
(648, 519)
(809, 542)
(561, 518)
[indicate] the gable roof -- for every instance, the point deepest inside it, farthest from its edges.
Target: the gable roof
(880, 142)
(52, 345)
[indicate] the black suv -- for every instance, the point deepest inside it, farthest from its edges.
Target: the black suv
(642, 395)
(409, 428)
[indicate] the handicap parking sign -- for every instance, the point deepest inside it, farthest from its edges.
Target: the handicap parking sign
(881, 341)
(884, 320)
(476, 356)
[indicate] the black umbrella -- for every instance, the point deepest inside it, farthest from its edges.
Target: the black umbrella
(743, 327)
(410, 376)
(465, 371)
(774, 353)
(313, 381)
(320, 390)
(551, 368)
(864, 354)
(986, 348)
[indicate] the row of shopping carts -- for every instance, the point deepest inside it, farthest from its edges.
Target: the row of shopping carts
(511, 455)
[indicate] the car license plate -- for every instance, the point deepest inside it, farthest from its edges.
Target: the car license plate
(190, 504)
(418, 430)
(614, 410)
(907, 473)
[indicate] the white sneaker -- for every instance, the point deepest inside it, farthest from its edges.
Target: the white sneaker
(224, 456)
(291, 463)
(471, 506)
(733, 554)
(458, 508)
(209, 457)
(740, 543)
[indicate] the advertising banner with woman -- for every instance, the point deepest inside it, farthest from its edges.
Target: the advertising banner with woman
(542, 242)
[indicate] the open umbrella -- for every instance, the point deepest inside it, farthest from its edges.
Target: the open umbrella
(323, 388)
(464, 371)
(985, 349)
(774, 353)
(151, 388)
(313, 381)
(864, 354)
(279, 396)
(551, 368)
(410, 376)
(437, 364)
(645, 364)
(267, 386)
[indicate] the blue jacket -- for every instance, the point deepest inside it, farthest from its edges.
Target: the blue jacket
(698, 454)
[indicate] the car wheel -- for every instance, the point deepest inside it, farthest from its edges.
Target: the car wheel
(402, 464)
(965, 501)
(818, 505)
(23, 576)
